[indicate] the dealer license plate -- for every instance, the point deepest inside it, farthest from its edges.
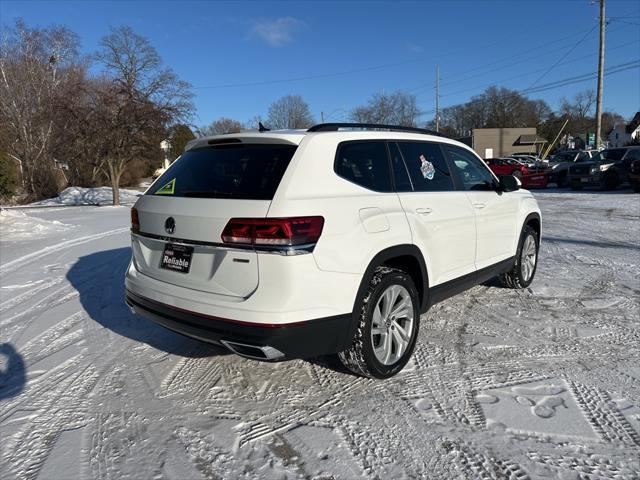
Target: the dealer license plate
(176, 258)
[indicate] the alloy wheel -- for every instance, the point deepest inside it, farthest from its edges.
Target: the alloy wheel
(392, 324)
(528, 258)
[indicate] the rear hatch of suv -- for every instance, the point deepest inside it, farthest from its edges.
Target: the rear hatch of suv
(182, 216)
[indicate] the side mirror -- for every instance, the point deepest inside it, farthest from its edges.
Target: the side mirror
(509, 183)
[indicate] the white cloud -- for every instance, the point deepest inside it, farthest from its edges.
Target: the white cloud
(279, 31)
(414, 47)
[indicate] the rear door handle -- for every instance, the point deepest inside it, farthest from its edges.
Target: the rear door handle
(479, 205)
(423, 211)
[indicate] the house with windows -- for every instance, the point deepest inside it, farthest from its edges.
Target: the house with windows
(622, 135)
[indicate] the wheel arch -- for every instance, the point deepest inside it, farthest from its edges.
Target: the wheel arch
(534, 221)
(406, 257)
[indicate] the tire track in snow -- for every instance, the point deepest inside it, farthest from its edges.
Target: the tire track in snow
(30, 293)
(31, 257)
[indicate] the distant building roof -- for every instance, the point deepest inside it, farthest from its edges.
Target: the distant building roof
(633, 124)
(529, 140)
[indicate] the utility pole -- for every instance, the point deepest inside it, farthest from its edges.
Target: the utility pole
(437, 98)
(600, 77)
(321, 117)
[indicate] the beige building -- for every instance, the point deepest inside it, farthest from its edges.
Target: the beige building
(502, 142)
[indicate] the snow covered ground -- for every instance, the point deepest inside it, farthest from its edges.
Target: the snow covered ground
(539, 383)
(15, 224)
(90, 196)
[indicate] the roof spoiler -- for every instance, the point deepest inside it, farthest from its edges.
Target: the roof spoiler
(334, 127)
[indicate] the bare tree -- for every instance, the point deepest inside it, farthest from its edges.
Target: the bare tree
(496, 107)
(80, 137)
(610, 120)
(579, 111)
(35, 65)
(221, 126)
(144, 98)
(398, 108)
(135, 64)
(290, 112)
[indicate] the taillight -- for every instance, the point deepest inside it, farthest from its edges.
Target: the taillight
(275, 232)
(135, 221)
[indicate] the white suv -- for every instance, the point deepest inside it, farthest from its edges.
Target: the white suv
(293, 244)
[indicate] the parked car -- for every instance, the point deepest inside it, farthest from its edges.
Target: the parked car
(560, 163)
(607, 170)
(528, 176)
(634, 175)
(294, 244)
(529, 160)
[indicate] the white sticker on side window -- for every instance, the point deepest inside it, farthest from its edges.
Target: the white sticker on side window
(427, 168)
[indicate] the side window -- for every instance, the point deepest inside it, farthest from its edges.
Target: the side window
(364, 163)
(427, 167)
(633, 154)
(400, 174)
(473, 174)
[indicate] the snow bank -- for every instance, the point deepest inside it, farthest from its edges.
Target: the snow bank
(16, 225)
(90, 196)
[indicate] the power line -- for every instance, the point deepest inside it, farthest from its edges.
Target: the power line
(590, 76)
(526, 74)
(487, 66)
(370, 68)
(476, 73)
(559, 83)
(563, 57)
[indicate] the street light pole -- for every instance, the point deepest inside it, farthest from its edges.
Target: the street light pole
(600, 77)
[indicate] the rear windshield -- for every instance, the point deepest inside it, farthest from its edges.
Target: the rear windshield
(246, 171)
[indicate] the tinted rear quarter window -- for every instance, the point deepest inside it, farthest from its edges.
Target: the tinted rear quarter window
(364, 163)
(242, 171)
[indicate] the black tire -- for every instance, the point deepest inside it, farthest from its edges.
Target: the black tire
(562, 180)
(576, 186)
(636, 188)
(610, 181)
(515, 277)
(360, 358)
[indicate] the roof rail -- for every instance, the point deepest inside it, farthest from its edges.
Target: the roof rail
(333, 127)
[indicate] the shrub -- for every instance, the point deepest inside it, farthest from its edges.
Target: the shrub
(8, 176)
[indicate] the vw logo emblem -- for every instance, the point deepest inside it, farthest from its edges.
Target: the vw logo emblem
(170, 225)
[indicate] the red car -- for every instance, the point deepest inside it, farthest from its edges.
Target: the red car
(530, 177)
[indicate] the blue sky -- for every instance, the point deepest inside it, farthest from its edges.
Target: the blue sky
(336, 54)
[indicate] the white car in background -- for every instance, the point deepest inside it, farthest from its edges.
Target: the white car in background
(333, 240)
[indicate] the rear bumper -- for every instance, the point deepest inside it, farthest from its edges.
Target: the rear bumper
(535, 180)
(585, 179)
(304, 339)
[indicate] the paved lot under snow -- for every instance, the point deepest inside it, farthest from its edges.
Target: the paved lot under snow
(540, 383)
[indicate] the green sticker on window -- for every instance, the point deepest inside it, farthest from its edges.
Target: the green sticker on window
(167, 189)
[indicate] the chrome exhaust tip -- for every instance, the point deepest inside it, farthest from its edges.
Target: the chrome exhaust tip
(254, 352)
